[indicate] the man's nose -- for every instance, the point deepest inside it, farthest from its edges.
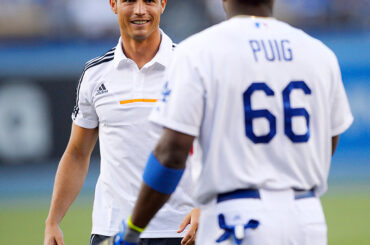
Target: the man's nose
(139, 7)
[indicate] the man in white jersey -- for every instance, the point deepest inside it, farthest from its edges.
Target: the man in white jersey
(268, 105)
(115, 95)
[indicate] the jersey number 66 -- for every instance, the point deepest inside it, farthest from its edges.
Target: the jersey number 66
(289, 113)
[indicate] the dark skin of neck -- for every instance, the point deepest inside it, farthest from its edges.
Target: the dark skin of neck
(234, 9)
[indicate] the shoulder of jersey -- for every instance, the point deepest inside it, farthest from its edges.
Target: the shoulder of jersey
(202, 38)
(310, 41)
(90, 65)
(100, 59)
(97, 63)
(108, 56)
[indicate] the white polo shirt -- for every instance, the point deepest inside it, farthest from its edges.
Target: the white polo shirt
(114, 95)
(264, 99)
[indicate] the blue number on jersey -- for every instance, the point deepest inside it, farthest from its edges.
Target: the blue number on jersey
(289, 113)
(252, 114)
(294, 112)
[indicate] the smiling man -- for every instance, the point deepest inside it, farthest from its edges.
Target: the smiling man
(115, 96)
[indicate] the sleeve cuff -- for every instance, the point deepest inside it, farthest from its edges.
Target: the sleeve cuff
(84, 123)
(343, 127)
(179, 127)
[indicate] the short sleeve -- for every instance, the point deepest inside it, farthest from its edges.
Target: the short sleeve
(341, 116)
(84, 114)
(182, 104)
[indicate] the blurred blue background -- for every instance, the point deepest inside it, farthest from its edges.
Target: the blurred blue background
(45, 43)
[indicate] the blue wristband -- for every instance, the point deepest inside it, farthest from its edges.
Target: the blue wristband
(161, 178)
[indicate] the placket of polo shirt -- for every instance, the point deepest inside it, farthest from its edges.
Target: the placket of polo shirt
(135, 79)
(139, 77)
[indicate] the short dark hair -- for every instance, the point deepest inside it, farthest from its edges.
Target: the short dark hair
(253, 2)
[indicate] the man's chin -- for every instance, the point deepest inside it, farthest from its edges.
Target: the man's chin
(140, 37)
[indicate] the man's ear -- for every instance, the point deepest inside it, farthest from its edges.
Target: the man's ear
(113, 5)
(163, 4)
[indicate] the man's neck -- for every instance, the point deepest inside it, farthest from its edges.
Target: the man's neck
(141, 52)
(260, 11)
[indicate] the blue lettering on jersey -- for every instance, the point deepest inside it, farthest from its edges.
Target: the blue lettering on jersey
(287, 51)
(271, 50)
(255, 48)
(289, 112)
(165, 92)
(251, 114)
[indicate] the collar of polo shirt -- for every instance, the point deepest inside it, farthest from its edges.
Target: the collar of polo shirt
(161, 58)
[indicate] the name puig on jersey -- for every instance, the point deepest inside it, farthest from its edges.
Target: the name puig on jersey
(271, 50)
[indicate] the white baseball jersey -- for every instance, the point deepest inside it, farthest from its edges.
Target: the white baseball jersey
(264, 99)
(117, 97)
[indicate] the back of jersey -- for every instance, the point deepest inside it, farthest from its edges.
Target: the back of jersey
(266, 98)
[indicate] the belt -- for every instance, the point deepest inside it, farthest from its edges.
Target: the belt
(254, 193)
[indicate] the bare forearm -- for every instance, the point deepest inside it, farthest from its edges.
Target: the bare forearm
(147, 205)
(334, 144)
(68, 183)
(171, 152)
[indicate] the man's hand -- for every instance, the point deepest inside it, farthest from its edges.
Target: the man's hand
(193, 219)
(53, 234)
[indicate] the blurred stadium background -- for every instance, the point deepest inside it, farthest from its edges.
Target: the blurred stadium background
(43, 47)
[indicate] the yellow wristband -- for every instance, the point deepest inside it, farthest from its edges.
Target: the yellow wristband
(134, 227)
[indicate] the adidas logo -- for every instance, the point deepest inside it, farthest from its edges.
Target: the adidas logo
(101, 90)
